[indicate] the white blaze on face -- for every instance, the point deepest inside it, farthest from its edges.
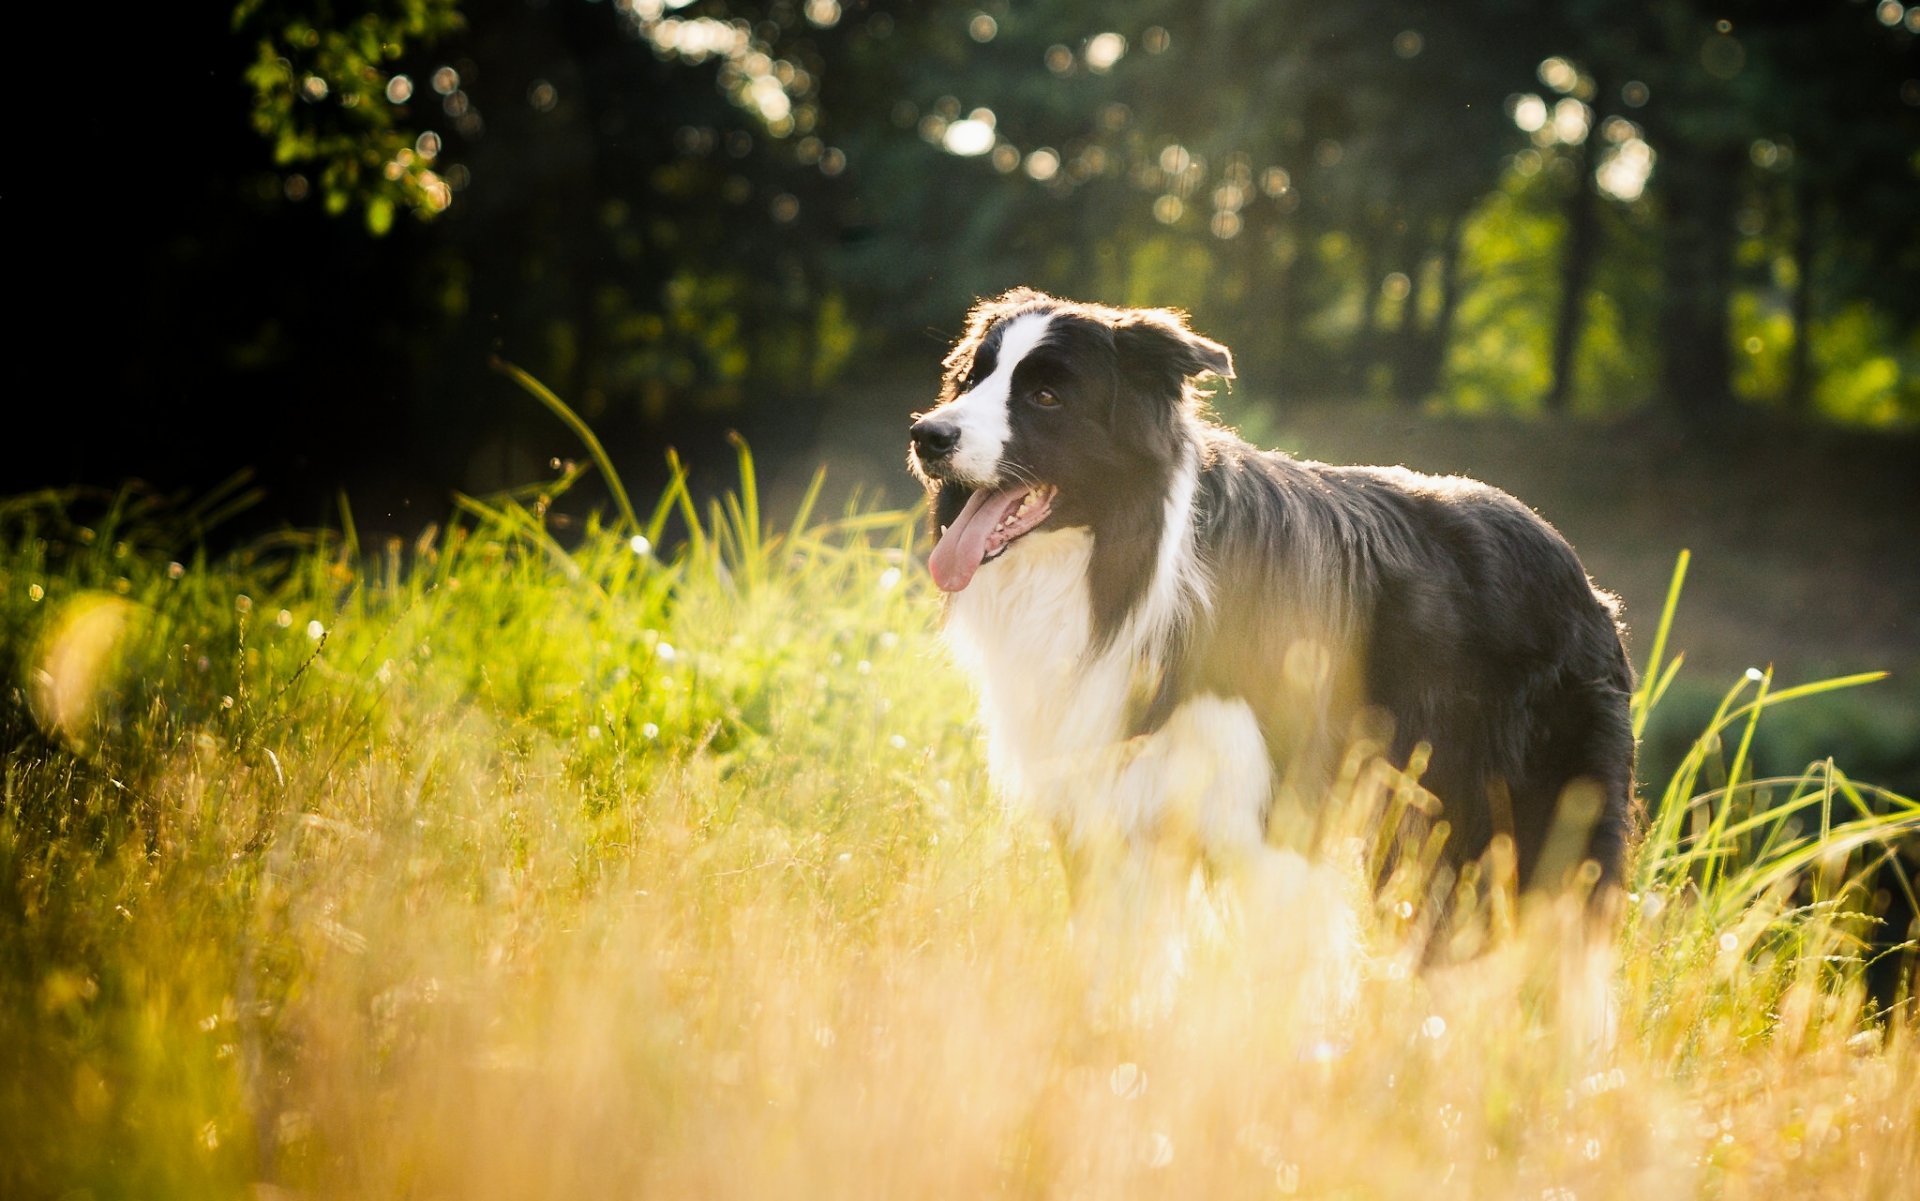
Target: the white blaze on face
(982, 414)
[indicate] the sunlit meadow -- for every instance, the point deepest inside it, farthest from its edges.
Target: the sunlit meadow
(507, 863)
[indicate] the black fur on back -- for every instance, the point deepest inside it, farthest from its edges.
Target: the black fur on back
(1331, 592)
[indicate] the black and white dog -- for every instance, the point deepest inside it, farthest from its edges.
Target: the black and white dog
(1169, 626)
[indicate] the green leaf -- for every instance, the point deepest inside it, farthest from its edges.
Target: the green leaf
(379, 215)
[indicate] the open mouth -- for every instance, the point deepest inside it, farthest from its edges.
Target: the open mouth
(991, 522)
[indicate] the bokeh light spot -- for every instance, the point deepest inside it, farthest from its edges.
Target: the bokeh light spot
(1529, 112)
(1722, 55)
(1570, 121)
(1623, 173)
(968, 137)
(78, 662)
(1103, 51)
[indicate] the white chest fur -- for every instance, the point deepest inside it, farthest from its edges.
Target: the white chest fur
(1056, 715)
(1022, 630)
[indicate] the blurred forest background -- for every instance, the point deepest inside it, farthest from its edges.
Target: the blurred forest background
(1655, 267)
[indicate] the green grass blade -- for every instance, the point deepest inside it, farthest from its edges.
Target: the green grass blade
(1643, 699)
(581, 430)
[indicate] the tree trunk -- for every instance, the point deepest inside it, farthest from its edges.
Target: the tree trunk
(1696, 359)
(1800, 361)
(1423, 350)
(1366, 341)
(1576, 271)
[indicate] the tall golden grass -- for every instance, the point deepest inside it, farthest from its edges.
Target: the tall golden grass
(497, 865)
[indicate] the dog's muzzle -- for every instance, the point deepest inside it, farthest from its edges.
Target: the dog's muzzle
(934, 441)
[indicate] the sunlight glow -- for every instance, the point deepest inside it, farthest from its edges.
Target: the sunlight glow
(752, 77)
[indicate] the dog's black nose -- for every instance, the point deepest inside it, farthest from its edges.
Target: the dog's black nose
(935, 439)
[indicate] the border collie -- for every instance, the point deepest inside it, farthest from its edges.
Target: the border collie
(1174, 632)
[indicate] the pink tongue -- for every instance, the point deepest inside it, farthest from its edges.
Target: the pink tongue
(961, 549)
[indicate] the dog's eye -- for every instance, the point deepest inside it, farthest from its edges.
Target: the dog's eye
(1046, 398)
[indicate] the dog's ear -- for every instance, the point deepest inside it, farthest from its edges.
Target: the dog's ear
(1158, 343)
(1158, 354)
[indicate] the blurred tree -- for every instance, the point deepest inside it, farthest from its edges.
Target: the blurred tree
(325, 100)
(1730, 98)
(700, 214)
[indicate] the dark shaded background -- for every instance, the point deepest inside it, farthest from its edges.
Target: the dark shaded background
(675, 263)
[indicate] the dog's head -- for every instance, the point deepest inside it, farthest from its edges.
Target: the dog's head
(1047, 407)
